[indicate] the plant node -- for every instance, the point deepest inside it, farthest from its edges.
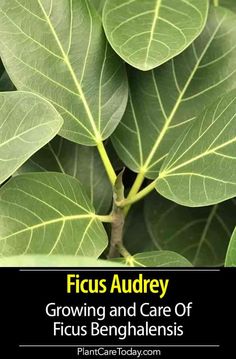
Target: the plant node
(118, 218)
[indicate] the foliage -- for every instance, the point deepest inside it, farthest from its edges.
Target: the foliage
(105, 103)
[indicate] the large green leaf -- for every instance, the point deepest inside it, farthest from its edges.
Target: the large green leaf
(27, 123)
(164, 102)
(157, 259)
(78, 161)
(200, 168)
(58, 49)
(199, 234)
(230, 4)
(147, 33)
(231, 252)
(48, 213)
(55, 261)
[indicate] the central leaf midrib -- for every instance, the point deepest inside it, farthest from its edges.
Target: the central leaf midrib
(73, 75)
(25, 132)
(53, 221)
(175, 108)
(156, 14)
(206, 153)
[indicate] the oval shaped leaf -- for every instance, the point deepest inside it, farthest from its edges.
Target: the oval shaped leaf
(78, 161)
(27, 123)
(164, 102)
(60, 52)
(147, 33)
(200, 168)
(231, 252)
(55, 261)
(48, 213)
(200, 234)
(157, 259)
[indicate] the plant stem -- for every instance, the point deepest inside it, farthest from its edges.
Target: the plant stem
(118, 218)
(107, 163)
(105, 219)
(123, 251)
(138, 196)
(134, 190)
(216, 2)
(116, 232)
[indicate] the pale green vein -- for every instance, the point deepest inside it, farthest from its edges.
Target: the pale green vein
(205, 231)
(58, 238)
(97, 135)
(84, 236)
(25, 132)
(50, 222)
(56, 158)
(154, 23)
(137, 130)
(181, 95)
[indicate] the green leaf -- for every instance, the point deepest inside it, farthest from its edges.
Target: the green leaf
(54, 261)
(27, 123)
(78, 161)
(59, 50)
(158, 259)
(199, 234)
(231, 252)
(48, 213)
(98, 4)
(200, 168)
(230, 4)
(164, 102)
(147, 33)
(136, 236)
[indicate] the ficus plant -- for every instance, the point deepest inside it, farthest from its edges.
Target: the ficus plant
(118, 132)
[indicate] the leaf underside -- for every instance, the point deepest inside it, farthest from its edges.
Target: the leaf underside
(60, 52)
(48, 213)
(27, 123)
(165, 101)
(147, 33)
